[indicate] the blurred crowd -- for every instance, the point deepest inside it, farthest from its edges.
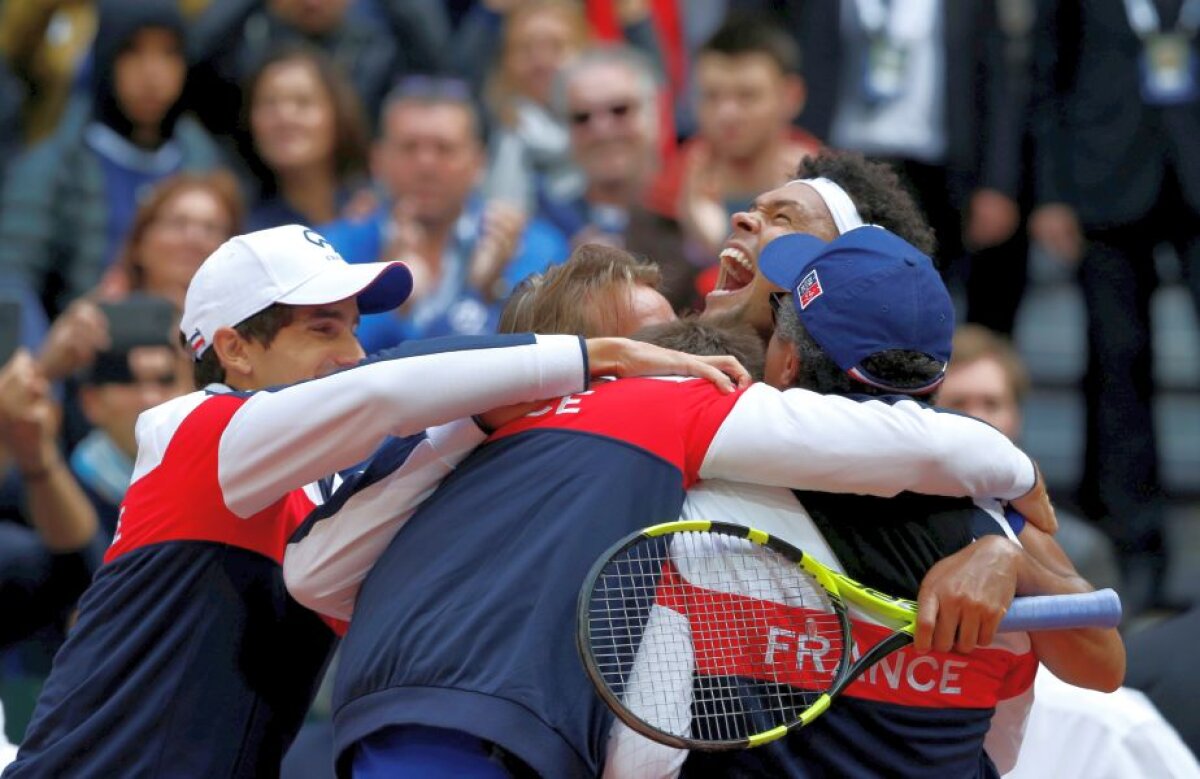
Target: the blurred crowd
(480, 140)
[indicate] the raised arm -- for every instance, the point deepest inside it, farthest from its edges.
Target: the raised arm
(281, 440)
(328, 557)
(805, 440)
(964, 596)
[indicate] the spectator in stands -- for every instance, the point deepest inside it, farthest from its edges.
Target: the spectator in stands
(69, 201)
(987, 380)
(117, 387)
(46, 43)
(465, 253)
(530, 144)
(1157, 667)
(926, 87)
(1116, 120)
(43, 569)
(609, 100)
(307, 136)
(183, 221)
(749, 90)
(228, 40)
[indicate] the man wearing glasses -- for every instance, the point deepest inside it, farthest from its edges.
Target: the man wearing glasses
(609, 99)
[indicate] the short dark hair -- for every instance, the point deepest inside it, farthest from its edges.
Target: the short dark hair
(711, 337)
(877, 191)
(425, 91)
(819, 373)
(262, 327)
(743, 34)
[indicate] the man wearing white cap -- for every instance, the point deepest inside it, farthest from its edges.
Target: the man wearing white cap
(189, 658)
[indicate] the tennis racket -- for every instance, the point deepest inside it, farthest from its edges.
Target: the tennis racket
(712, 636)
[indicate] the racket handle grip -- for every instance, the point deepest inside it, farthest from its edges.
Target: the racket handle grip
(1100, 609)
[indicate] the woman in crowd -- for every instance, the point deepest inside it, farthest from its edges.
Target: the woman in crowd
(306, 142)
(182, 221)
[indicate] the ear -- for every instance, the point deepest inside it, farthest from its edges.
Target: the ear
(233, 352)
(791, 364)
(795, 94)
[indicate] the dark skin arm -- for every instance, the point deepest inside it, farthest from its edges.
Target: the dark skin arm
(964, 596)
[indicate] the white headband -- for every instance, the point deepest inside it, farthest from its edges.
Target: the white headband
(845, 215)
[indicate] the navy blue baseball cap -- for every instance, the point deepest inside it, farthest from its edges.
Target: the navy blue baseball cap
(868, 291)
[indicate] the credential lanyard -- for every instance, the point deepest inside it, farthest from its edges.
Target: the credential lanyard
(1145, 21)
(876, 15)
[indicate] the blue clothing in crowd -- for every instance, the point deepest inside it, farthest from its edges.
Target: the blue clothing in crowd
(274, 211)
(104, 473)
(453, 308)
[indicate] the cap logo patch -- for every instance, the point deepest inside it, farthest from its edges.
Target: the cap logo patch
(316, 239)
(196, 342)
(809, 289)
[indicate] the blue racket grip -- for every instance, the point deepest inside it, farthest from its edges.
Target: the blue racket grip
(1100, 609)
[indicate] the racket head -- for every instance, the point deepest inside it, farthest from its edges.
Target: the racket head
(710, 635)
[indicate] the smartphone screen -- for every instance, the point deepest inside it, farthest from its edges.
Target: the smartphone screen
(140, 320)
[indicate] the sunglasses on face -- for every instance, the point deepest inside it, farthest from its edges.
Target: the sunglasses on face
(614, 111)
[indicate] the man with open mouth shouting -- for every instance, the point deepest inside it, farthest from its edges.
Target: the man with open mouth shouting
(833, 192)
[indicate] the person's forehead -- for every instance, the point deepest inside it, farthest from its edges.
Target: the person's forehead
(151, 360)
(983, 376)
(152, 35)
(752, 65)
(546, 22)
(442, 120)
(192, 199)
(800, 198)
(601, 83)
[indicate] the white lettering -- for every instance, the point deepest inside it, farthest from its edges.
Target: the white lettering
(950, 673)
(899, 668)
(814, 645)
(892, 671)
(912, 673)
(774, 643)
(568, 404)
(541, 411)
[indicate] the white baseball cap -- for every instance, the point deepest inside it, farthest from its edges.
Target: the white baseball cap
(292, 264)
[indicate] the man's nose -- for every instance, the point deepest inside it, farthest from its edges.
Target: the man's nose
(352, 354)
(745, 222)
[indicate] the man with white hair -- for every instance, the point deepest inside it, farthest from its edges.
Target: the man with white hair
(609, 99)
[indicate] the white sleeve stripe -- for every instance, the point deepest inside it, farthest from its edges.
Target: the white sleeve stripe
(281, 440)
(804, 440)
(325, 568)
